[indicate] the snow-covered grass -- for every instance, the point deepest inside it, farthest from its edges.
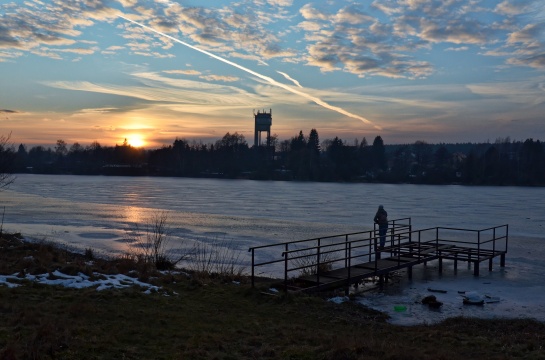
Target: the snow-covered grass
(79, 281)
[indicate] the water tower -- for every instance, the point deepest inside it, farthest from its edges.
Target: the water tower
(263, 122)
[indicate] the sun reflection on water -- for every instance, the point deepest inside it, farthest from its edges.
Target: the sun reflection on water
(134, 214)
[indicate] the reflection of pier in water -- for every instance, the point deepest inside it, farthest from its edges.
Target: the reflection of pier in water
(347, 259)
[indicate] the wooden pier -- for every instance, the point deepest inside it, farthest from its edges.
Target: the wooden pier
(344, 260)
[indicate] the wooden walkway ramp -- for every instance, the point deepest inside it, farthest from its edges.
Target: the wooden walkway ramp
(347, 259)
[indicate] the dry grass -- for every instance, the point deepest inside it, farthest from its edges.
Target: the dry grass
(150, 246)
(216, 257)
(213, 318)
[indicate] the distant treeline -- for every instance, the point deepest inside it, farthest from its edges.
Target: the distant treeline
(304, 158)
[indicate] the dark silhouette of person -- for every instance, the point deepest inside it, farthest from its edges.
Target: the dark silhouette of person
(381, 219)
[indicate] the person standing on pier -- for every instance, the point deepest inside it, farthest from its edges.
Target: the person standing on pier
(381, 218)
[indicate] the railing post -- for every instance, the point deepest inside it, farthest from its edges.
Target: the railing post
(347, 252)
(392, 231)
(371, 246)
(419, 244)
(502, 258)
(318, 264)
(479, 245)
(494, 242)
(348, 268)
(506, 236)
(253, 262)
(476, 270)
(286, 269)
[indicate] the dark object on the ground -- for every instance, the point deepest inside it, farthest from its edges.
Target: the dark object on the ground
(437, 290)
(429, 299)
(468, 301)
(432, 302)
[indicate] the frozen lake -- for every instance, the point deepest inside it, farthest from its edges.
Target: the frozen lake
(97, 211)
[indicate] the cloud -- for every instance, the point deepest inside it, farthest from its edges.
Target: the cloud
(271, 81)
(536, 61)
(529, 35)
(310, 13)
(80, 51)
(104, 110)
(513, 7)
(115, 48)
(155, 88)
(528, 93)
(353, 16)
(128, 3)
(377, 39)
(280, 2)
(455, 31)
(183, 72)
(36, 26)
(352, 41)
(219, 78)
(529, 46)
(461, 48)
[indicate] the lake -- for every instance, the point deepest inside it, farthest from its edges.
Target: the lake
(259, 211)
(98, 211)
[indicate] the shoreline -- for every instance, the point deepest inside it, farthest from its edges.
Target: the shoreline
(207, 316)
(502, 283)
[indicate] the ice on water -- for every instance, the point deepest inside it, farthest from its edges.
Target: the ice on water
(98, 212)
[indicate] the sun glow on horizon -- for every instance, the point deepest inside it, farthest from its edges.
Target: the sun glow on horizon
(135, 140)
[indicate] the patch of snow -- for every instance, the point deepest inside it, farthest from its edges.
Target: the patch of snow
(81, 281)
(338, 299)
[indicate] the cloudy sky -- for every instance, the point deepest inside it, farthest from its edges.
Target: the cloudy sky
(407, 70)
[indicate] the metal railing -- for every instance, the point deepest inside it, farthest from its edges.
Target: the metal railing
(314, 258)
(349, 242)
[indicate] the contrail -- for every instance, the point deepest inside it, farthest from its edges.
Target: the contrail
(266, 78)
(290, 78)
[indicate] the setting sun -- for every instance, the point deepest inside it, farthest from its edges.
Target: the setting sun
(136, 140)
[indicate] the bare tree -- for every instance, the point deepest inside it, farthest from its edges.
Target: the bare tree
(7, 156)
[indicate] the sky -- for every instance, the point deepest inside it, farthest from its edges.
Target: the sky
(151, 71)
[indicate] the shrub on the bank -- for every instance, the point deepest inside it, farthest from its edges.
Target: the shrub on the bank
(150, 247)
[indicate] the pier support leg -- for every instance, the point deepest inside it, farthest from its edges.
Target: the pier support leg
(410, 272)
(476, 269)
(440, 265)
(455, 264)
(502, 260)
(381, 281)
(489, 264)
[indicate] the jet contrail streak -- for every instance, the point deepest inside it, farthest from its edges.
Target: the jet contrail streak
(266, 78)
(290, 79)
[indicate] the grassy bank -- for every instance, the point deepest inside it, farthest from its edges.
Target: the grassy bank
(199, 316)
